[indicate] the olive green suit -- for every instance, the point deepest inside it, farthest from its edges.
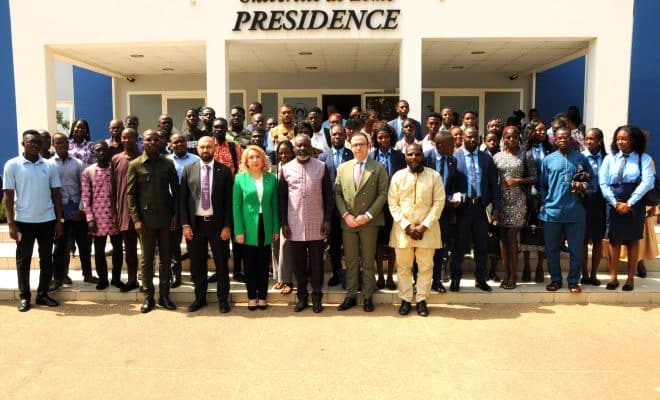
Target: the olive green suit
(360, 243)
(152, 195)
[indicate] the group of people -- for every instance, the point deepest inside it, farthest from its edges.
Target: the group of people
(279, 195)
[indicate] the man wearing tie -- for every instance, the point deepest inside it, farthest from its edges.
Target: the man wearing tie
(443, 162)
(360, 194)
(206, 219)
(332, 158)
(402, 110)
(476, 177)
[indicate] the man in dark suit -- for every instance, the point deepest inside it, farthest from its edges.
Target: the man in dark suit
(205, 210)
(402, 109)
(476, 177)
(153, 204)
(332, 158)
(442, 161)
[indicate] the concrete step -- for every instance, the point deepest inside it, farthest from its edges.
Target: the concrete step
(647, 291)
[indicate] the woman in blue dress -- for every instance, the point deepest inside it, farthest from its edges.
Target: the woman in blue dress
(594, 205)
(625, 177)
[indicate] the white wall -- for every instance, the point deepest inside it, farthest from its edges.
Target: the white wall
(63, 81)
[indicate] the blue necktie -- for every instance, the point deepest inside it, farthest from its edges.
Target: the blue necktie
(337, 159)
(473, 176)
(622, 167)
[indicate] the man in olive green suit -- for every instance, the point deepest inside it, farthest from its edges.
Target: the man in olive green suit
(153, 200)
(360, 194)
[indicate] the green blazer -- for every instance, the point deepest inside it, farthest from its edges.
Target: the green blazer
(246, 208)
(370, 196)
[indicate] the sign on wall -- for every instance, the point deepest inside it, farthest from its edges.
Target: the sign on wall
(342, 18)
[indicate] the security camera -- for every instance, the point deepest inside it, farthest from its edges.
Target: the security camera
(513, 76)
(130, 79)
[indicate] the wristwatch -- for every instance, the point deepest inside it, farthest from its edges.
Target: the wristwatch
(61, 220)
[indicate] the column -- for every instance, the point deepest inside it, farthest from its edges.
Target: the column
(34, 76)
(410, 75)
(607, 82)
(217, 76)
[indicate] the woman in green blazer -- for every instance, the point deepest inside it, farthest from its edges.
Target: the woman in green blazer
(256, 222)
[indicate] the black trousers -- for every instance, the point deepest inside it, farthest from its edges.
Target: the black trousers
(237, 255)
(300, 251)
(203, 236)
(100, 259)
(256, 266)
(334, 244)
(151, 238)
(471, 223)
(175, 256)
(441, 255)
(130, 238)
(43, 233)
(73, 231)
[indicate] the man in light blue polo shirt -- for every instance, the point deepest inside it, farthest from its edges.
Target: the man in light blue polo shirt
(34, 211)
(181, 157)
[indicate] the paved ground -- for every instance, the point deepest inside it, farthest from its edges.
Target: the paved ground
(88, 350)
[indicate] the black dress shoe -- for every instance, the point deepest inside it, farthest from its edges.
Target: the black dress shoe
(147, 306)
(91, 279)
(164, 301)
(317, 307)
(438, 287)
(238, 278)
(422, 309)
(368, 305)
(176, 282)
(129, 286)
(45, 300)
(55, 286)
(223, 307)
(300, 305)
(197, 304)
(405, 307)
(117, 284)
(212, 278)
(67, 280)
(481, 284)
(334, 280)
(102, 285)
(348, 303)
(455, 285)
(24, 305)
(641, 270)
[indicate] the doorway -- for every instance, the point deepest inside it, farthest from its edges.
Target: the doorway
(342, 102)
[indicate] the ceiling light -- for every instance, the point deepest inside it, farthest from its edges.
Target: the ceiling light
(311, 67)
(168, 69)
(478, 52)
(137, 55)
(457, 67)
(305, 53)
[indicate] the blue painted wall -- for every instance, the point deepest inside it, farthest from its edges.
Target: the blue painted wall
(559, 88)
(7, 90)
(644, 77)
(92, 97)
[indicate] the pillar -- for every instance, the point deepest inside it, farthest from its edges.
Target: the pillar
(217, 76)
(410, 75)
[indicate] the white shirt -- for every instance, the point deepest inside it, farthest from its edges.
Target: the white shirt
(200, 211)
(319, 142)
(259, 183)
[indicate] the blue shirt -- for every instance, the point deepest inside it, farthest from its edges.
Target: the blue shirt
(595, 161)
(438, 164)
(326, 123)
(70, 173)
(181, 162)
(472, 159)
(559, 203)
(32, 183)
(608, 175)
(337, 156)
(385, 159)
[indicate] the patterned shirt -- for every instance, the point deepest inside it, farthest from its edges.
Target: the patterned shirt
(305, 185)
(222, 155)
(242, 137)
(98, 199)
(82, 151)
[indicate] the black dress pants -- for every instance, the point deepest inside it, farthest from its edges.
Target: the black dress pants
(73, 231)
(300, 251)
(203, 236)
(100, 259)
(43, 233)
(256, 266)
(130, 238)
(151, 238)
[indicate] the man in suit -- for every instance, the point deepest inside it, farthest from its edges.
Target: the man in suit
(443, 162)
(476, 177)
(402, 110)
(416, 198)
(332, 158)
(205, 210)
(153, 204)
(360, 194)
